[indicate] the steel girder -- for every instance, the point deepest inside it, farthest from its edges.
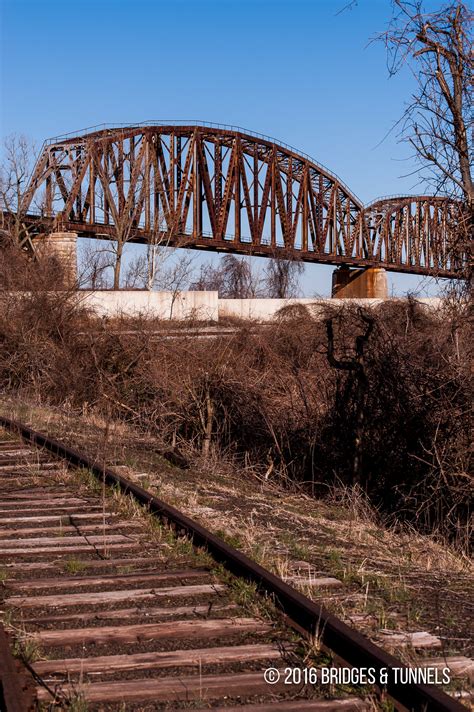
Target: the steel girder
(225, 190)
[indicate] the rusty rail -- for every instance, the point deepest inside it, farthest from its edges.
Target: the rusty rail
(14, 693)
(302, 613)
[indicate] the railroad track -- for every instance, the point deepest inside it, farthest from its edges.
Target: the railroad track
(106, 613)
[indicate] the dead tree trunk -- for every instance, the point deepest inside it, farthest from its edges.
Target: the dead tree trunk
(355, 389)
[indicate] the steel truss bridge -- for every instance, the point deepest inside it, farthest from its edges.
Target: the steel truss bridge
(228, 190)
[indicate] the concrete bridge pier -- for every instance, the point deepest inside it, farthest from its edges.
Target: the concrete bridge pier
(62, 246)
(368, 283)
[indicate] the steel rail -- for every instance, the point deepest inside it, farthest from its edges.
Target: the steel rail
(14, 695)
(302, 613)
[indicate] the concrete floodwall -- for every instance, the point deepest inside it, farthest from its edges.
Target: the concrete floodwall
(258, 309)
(202, 306)
(267, 309)
(206, 306)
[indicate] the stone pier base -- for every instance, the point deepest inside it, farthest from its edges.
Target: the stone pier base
(63, 247)
(370, 283)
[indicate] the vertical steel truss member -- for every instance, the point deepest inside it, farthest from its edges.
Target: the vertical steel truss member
(225, 190)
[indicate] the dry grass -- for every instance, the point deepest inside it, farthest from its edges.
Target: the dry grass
(393, 578)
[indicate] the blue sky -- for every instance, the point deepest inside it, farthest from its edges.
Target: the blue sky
(292, 69)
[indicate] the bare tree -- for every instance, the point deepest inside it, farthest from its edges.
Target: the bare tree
(163, 243)
(170, 271)
(153, 251)
(176, 277)
(123, 228)
(15, 170)
(438, 48)
(126, 184)
(239, 280)
(156, 255)
(281, 279)
(137, 273)
(211, 279)
(233, 278)
(95, 265)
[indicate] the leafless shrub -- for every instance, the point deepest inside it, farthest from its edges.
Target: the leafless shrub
(39, 321)
(394, 424)
(294, 312)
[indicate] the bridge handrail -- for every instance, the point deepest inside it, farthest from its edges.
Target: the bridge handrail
(204, 233)
(205, 124)
(405, 196)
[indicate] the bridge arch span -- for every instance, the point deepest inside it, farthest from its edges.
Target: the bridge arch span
(223, 189)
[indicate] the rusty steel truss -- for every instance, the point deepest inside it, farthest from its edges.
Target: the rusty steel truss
(222, 189)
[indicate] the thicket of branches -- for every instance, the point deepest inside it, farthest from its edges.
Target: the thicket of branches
(234, 278)
(438, 121)
(380, 399)
(438, 48)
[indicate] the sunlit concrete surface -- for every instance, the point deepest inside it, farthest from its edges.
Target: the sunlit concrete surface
(206, 306)
(202, 306)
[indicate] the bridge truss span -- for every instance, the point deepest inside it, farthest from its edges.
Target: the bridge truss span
(221, 189)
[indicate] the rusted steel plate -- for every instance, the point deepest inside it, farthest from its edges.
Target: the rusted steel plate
(15, 696)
